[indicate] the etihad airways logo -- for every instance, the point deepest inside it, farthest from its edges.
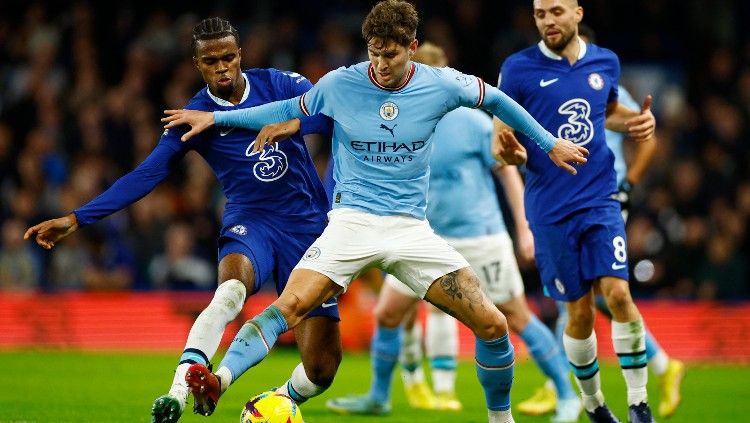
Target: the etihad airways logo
(387, 152)
(387, 147)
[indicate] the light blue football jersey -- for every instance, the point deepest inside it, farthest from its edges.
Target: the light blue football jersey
(570, 102)
(615, 139)
(382, 137)
(462, 201)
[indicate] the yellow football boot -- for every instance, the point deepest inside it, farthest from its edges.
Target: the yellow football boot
(670, 387)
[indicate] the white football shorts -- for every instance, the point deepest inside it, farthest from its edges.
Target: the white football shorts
(492, 259)
(403, 246)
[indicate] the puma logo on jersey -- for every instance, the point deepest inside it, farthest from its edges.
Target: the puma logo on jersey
(544, 83)
(384, 126)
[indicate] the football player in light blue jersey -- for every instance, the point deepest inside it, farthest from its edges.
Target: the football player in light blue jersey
(384, 112)
(579, 234)
(461, 173)
(279, 183)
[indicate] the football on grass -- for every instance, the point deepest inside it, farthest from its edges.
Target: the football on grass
(271, 407)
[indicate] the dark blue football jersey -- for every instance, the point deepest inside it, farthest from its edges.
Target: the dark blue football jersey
(570, 102)
(280, 183)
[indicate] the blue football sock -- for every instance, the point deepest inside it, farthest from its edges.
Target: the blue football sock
(443, 363)
(384, 350)
(254, 341)
(548, 356)
(652, 346)
(494, 362)
(562, 320)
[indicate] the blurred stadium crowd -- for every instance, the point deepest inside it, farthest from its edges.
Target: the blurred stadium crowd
(83, 84)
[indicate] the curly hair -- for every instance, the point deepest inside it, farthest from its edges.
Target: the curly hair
(391, 20)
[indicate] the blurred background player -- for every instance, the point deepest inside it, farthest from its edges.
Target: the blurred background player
(669, 371)
(385, 110)
(579, 233)
(460, 175)
(281, 184)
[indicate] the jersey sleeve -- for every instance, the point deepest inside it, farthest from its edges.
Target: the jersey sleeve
(511, 113)
(297, 85)
(626, 99)
(465, 90)
(316, 124)
(134, 185)
(314, 101)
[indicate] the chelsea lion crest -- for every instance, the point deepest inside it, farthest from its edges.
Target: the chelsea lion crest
(595, 81)
(389, 110)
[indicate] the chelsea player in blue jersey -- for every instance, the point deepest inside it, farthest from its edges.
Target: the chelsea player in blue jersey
(384, 111)
(572, 87)
(279, 182)
(668, 370)
(461, 173)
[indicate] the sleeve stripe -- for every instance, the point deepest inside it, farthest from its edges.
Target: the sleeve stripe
(302, 105)
(481, 92)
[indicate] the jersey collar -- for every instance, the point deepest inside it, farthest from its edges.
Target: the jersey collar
(552, 55)
(222, 102)
(371, 74)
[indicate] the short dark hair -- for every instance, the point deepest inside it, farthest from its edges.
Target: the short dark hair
(587, 32)
(213, 29)
(394, 20)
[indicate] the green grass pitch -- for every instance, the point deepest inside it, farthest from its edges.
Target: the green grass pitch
(109, 387)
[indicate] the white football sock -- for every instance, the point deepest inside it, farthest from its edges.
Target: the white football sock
(500, 416)
(411, 348)
(225, 377)
(302, 386)
(659, 363)
(208, 328)
(179, 387)
(629, 338)
(441, 340)
(582, 352)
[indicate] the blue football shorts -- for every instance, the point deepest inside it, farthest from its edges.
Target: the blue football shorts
(274, 251)
(585, 246)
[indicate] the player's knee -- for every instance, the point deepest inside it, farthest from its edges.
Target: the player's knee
(580, 319)
(517, 321)
(387, 317)
(618, 298)
(492, 327)
(293, 308)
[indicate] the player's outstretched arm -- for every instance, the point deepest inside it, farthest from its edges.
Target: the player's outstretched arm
(560, 151)
(49, 232)
(253, 118)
